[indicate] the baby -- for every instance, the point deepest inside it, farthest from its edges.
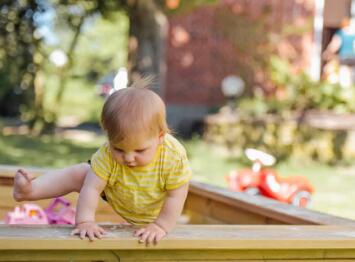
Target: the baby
(142, 171)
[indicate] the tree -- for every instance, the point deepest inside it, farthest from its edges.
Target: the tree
(148, 35)
(24, 54)
(19, 60)
(72, 16)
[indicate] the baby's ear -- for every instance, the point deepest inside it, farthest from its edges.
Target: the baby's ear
(161, 137)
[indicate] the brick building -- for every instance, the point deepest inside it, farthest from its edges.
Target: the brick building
(200, 52)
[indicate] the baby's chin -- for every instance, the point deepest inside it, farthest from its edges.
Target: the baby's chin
(135, 165)
(141, 164)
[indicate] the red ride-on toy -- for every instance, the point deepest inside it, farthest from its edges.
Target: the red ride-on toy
(261, 181)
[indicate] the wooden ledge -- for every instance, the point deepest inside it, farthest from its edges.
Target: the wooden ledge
(264, 207)
(187, 237)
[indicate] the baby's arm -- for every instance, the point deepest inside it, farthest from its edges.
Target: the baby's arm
(167, 218)
(332, 47)
(87, 204)
(172, 207)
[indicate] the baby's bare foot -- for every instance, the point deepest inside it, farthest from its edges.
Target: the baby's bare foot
(22, 185)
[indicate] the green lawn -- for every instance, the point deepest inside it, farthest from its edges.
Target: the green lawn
(333, 184)
(46, 151)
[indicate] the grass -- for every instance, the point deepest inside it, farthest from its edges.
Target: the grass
(333, 185)
(46, 151)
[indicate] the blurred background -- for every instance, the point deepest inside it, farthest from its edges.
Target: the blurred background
(234, 74)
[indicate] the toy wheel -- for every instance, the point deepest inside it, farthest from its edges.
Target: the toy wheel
(302, 199)
(253, 191)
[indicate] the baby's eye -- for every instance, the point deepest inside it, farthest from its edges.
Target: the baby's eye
(140, 150)
(118, 150)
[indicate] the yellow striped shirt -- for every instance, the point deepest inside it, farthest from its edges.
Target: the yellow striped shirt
(137, 194)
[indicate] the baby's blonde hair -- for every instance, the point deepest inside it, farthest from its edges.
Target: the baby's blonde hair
(134, 111)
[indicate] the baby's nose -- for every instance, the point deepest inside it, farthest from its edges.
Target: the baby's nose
(129, 157)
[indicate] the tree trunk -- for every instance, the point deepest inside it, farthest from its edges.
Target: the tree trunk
(147, 40)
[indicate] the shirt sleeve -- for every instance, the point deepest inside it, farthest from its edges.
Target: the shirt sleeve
(179, 174)
(101, 163)
(339, 33)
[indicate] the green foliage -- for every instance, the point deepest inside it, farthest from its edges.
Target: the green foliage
(301, 93)
(186, 6)
(24, 65)
(91, 59)
(80, 100)
(260, 105)
(94, 57)
(297, 93)
(285, 136)
(18, 45)
(275, 123)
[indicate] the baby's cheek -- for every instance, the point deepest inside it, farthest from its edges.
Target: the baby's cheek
(140, 160)
(118, 157)
(144, 160)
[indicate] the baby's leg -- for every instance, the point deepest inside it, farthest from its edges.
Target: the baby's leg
(52, 184)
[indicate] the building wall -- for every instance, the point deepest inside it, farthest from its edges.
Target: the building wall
(197, 59)
(199, 55)
(335, 11)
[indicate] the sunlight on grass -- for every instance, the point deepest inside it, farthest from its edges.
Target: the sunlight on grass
(333, 185)
(46, 151)
(208, 164)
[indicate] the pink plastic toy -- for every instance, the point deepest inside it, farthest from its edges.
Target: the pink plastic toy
(59, 211)
(28, 214)
(64, 215)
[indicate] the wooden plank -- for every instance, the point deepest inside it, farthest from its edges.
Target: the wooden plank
(154, 256)
(54, 255)
(203, 210)
(258, 208)
(189, 237)
(185, 243)
(171, 255)
(233, 255)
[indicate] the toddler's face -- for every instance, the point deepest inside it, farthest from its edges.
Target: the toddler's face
(140, 153)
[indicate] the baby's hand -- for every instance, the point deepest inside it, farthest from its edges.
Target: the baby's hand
(151, 233)
(89, 229)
